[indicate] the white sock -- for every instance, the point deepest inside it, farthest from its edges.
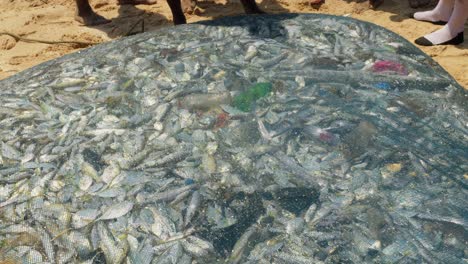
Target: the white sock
(455, 25)
(441, 12)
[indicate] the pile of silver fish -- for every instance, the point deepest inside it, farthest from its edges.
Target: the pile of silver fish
(255, 139)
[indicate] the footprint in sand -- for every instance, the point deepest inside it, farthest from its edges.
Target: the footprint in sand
(100, 4)
(7, 42)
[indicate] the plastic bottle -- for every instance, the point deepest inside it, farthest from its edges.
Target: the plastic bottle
(245, 100)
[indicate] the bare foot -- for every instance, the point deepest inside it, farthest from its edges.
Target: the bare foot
(137, 2)
(91, 19)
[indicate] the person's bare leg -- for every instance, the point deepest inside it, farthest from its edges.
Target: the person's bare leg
(137, 2)
(85, 14)
(452, 33)
(177, 13)
(250, 7)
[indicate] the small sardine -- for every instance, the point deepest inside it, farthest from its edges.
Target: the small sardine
(192, 207)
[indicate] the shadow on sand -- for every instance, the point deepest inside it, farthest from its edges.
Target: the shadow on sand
(133, 20)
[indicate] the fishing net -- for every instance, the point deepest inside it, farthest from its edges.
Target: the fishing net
(255, 139)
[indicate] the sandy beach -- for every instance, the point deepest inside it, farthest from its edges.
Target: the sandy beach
(53, 20)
